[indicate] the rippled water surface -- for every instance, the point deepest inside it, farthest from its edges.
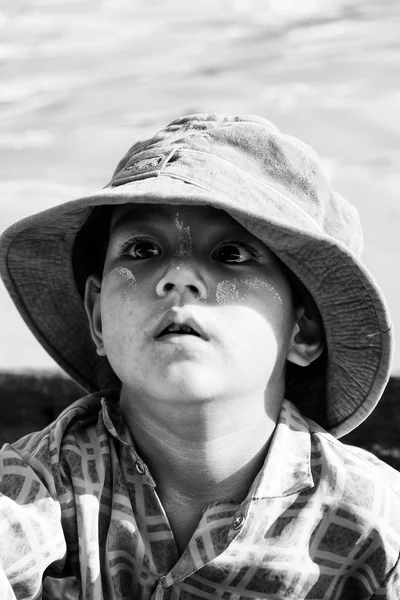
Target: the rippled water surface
(81, 80)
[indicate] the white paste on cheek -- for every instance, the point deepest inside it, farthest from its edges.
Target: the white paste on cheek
(228, 290)
(124, 273)
(257, 284)
(185, 238)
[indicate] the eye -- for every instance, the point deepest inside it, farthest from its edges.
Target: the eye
(234, 253)
(141, 249)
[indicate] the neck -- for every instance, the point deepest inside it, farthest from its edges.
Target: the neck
(202, 452)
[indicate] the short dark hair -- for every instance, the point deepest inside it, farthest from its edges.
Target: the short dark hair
(90, 247)
(304, 386)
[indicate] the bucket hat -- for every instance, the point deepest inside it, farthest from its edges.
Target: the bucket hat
(273, 185)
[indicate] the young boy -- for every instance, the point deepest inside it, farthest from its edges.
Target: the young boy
(211, 301)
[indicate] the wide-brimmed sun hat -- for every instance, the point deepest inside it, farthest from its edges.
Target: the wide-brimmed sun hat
(273, 185)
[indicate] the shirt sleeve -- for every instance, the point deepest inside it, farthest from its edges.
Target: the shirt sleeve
(31, 535)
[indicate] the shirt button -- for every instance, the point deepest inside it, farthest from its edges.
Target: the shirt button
(238, 522)
(139, 467)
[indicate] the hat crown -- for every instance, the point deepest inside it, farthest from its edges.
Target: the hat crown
(256, 147)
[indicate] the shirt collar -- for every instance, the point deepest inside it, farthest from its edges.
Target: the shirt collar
(287, 466)
(114, 421)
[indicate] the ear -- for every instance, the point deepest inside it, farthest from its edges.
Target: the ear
(307, 341)
(93, 311)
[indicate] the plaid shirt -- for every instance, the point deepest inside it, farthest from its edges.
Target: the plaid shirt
(321, 520)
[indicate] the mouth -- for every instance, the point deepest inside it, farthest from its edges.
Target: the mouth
(180, 327)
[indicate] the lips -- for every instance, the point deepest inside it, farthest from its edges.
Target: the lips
(180, 324)
(183, 329)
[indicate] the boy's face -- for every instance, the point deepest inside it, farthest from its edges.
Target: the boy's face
(196, 266)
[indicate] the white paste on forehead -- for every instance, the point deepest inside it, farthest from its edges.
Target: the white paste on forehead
(124, 273)
(185, 238)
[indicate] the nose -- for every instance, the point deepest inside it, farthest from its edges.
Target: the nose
(182, 278)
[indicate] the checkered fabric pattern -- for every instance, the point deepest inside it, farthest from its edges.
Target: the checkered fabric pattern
(321, 520)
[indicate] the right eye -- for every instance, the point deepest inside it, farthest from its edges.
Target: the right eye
(142, 249)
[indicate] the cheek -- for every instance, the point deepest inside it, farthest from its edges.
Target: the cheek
(120, 277)
(261, 317)
(251, 348)
(271, 301)
(120, 302)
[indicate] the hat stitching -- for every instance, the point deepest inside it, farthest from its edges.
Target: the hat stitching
(345, 426)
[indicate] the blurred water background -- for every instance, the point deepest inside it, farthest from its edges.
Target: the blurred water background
(81, 80)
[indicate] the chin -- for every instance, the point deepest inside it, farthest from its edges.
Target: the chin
(188, 383)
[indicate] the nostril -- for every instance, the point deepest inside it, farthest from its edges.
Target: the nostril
(165, 288)
(170, 286)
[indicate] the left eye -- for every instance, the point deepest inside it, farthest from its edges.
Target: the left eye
(232, 253)
(143, 249)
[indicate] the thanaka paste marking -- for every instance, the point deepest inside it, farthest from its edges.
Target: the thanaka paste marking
(185, 238)
(257, 283)
(125, 274)
(228, 290)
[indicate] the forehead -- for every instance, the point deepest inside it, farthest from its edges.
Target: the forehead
(169, 214)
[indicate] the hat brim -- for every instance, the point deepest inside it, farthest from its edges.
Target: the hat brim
(36, 267)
